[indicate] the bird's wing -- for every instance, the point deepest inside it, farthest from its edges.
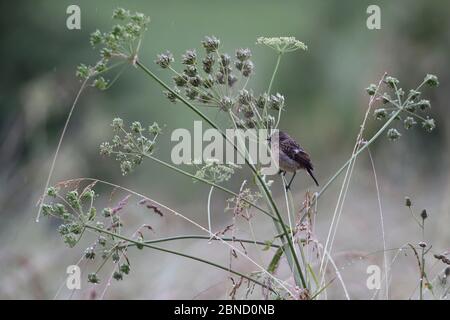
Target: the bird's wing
(293, 149)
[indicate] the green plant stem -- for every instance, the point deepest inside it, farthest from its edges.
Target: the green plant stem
(367, 144)
(184, 237)
(277, 64)
(137, 243)
(422, 265)
(209, 209)
(400, 108)
(422, 271)
(291, 255)
(212, 184)
(267, 193)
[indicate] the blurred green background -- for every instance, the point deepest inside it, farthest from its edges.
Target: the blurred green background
(326, 102)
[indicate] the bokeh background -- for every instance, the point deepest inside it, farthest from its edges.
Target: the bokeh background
(326, 101)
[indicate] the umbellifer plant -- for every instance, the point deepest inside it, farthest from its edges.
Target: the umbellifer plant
(211, 78)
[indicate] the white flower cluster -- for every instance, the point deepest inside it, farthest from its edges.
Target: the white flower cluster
(282, 44)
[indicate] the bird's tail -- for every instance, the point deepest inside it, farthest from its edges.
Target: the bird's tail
(312, 176)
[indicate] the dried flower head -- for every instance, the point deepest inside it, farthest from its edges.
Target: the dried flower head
(164, 59)
(424, 214)
(121, 42)
(409, 122)
(371, 89)
(243, 54)
(391, 81)
(190, 57)
(276, 101)
(393, 134)
(211, 44)
(431, 80)
(380, 114)
(130, 146)
(216, 172)
(408, 202)
(428, 124)
(424, 104)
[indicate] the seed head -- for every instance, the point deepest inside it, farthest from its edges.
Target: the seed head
(208, 63)
(391, 81)
(102, 241)
(393, 134)
(243, 54)
(164, 59)
(409, 122)
(117, 276)
(429, 125)
(96, 37)
(408, 202)
(232, 79)
(190, 57)
(52, 192)
(93, 278)
(226, 103)
(211, 44)
(154, 129)
(380, 113)
(120, 14)
(247, 68)
(245, 97)
(89, 253)
(431, 80)
(424, 214)
(276, 102)
(261, 101)
(225, 59)
(424, 104)
(371, 89)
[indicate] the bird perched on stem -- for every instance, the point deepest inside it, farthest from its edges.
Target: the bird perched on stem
(292, 157)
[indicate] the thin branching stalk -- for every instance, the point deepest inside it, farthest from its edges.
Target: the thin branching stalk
(212, 184)
(138, 243)
(383, 236)
(277, 64)
(178, 214)
(55, 157)
(208, 206)
(184, 237)
(262, 184)
(344, 188)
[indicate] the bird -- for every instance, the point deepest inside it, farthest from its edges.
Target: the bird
(292, 157)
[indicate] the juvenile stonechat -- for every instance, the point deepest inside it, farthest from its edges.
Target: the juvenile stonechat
(292, 157)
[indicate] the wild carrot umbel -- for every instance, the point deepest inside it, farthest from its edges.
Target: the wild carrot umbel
(213, 79)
